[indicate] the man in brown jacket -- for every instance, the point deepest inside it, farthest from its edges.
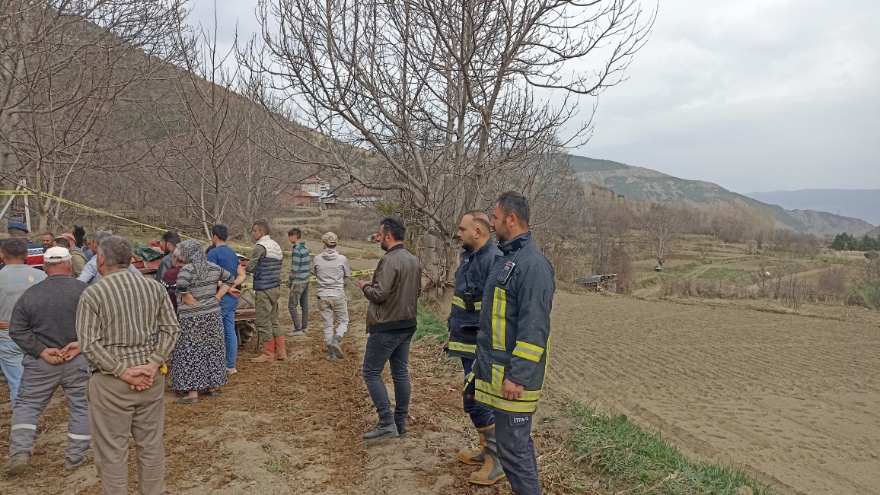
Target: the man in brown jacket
(391, 322)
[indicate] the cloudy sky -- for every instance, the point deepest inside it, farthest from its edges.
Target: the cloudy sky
(754, 95)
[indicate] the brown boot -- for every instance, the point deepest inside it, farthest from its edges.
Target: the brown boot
(474, 457)
(280, 349)
(268, 353)
(491, 470)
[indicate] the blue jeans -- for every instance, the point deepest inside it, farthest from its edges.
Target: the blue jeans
(227, 310)
(389, 347)
(480, 416)
(516, 451)
(10, 362)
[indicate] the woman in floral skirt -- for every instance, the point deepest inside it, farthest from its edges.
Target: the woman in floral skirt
(199, 359)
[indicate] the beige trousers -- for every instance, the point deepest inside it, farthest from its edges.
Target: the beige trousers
(116, 413)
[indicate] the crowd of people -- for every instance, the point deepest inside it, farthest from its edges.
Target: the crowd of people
(108, 335)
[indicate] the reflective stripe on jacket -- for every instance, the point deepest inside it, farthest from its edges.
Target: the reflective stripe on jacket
(464, 318)
(514, 338)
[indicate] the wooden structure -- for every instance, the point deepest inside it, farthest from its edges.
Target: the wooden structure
(599, 283)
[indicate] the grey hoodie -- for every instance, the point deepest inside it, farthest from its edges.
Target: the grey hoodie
(331, 270)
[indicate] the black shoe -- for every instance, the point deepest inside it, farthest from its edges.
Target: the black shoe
(381, 433)
(401, 430)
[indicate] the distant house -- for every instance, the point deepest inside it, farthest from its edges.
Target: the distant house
(315, 185)
(310, 192)
(362, 197)
(296, 197)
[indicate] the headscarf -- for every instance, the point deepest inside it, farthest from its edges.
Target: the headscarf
(194, 257)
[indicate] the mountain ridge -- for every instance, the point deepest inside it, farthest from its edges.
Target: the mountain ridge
(644, 184)
(863, 204)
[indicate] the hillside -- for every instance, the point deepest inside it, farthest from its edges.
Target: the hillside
(642, 184)
(858, 203)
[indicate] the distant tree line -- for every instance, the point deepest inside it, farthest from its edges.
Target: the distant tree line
(846, 242)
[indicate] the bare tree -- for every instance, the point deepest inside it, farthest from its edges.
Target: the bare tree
(450, 98)
(209, 134)
(663, 225)
(66, 68)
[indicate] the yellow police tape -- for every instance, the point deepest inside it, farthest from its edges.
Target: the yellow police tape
(354, 273)
(17, 192)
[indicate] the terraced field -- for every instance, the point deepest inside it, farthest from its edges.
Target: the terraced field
(792, 398)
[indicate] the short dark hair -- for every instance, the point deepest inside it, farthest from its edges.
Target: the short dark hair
(48, 234)
(394, 226)
(15, 248)
(171, 238)
(515, 203)
(295, 231)
(116, 251)
(263, 225)
(61, 241)
(221, 231)
(479, 216)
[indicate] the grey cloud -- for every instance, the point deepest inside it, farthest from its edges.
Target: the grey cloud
(777, 93)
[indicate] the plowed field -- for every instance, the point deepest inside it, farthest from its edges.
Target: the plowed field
(791, 397)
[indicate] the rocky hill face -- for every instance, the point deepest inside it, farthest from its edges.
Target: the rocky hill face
(642, 184)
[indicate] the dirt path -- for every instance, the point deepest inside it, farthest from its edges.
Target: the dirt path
(295, 427)
(792, 397)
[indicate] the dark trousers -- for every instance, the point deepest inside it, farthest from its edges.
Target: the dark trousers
(480, 416)
(517, 452)
(299, 298)
(393, 348)
(38, 383)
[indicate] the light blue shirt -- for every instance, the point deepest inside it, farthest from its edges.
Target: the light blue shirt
(14, 280)
(90, 273)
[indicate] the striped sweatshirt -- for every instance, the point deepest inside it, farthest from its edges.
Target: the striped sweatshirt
(300, 264)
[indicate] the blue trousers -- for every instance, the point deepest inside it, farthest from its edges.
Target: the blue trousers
(10, 362)
(227, 310)
(480, 416)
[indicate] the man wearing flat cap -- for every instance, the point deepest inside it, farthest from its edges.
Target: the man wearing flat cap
(18, 230)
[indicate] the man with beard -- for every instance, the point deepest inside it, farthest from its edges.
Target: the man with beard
(265, 264)
(170, 240)
(513, 342)
(479, 252)
(391, 322)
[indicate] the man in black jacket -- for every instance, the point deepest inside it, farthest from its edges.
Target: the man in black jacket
(391, 322)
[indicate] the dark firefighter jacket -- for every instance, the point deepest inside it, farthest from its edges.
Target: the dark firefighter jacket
(470, 279)
(514, 338)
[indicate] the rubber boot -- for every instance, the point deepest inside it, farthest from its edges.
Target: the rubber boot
(334, 345)
(491, 470)
(280, 349)
(268, 353)
(331, 356)
(475, 457)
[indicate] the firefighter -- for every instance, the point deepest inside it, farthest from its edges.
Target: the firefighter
(478, 254)
(513, 341)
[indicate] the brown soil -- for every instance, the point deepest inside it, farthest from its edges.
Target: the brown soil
(296, 426)
(792, 397)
